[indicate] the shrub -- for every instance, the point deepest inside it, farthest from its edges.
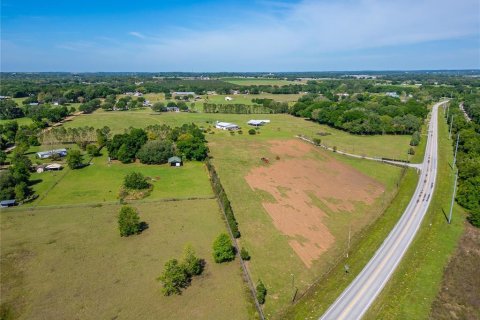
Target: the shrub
(128, 221)
(92, 150)
(415, 139)
(74, 159)
(252, 132)
(135, 181)
(244, 254)
(222, 249)
(261, 292)
(411, 151)
(317, 141)
(174, 278)
(334, 148)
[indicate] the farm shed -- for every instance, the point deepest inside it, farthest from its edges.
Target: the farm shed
(7, 203)
(228, 98)
(48, 154)
(257, 123)
(175, 161)
(226, 126)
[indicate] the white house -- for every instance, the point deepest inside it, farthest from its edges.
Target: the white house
(137, 94)
(257, 123)
(228, 98)
(392, 94)
(226, 126)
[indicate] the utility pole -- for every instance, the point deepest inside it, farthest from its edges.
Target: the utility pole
(456, 177)
(450, 131)
(349, 233)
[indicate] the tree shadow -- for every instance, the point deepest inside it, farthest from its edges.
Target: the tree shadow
(34, 182)
(142, 226)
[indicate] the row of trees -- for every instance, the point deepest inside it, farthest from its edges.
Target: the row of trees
(468, 157)
(235, 108)
(156, 144)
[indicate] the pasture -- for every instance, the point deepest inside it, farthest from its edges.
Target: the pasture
(63, 263)
(282, 126)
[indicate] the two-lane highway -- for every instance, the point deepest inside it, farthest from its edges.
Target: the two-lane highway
(360, 294)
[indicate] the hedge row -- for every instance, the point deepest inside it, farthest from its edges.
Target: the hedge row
(235, 108)
(222, 196)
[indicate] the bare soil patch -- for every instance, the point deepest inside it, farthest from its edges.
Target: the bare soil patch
(302, 174)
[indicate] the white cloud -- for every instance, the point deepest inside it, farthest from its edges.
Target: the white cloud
(137, 34)
(312, 28)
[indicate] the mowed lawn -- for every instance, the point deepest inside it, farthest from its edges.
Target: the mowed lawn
(282, 126)
(73, 264)
(101, 182)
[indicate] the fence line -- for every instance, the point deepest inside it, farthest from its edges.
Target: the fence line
(246, 274)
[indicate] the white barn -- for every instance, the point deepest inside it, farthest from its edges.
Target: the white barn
(226, 126)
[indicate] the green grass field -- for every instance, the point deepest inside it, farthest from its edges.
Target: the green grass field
(73, 264)
(282, 126)
(100, 182)
(21, 121)
(260, 81)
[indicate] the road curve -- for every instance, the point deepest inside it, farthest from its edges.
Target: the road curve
(360, 294)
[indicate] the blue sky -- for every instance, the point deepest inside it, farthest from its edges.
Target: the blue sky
(246, 35)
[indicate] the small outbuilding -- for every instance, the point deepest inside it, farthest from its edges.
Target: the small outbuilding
(228, 98)
(257, 123)
(7, 203)
(53, 166)
(175, 161)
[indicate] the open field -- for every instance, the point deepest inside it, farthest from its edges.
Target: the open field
(21, 121)
(260, 81)
(459, 297)
(277, 252)
(282, 127)
(415, 284)
(247, 98)
(101, 182)
(75, 259)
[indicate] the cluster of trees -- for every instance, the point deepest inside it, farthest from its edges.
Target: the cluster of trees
(90, 106)
(161, 107)
(177, 275)
(364, 114)
(82, 136)
(222, 197)
(157, 143)
(235, 108)
(9, 110)
(14, 182)
(23, 136)
(468, 157)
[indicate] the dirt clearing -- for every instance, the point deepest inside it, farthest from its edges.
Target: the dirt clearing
(309, 185)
